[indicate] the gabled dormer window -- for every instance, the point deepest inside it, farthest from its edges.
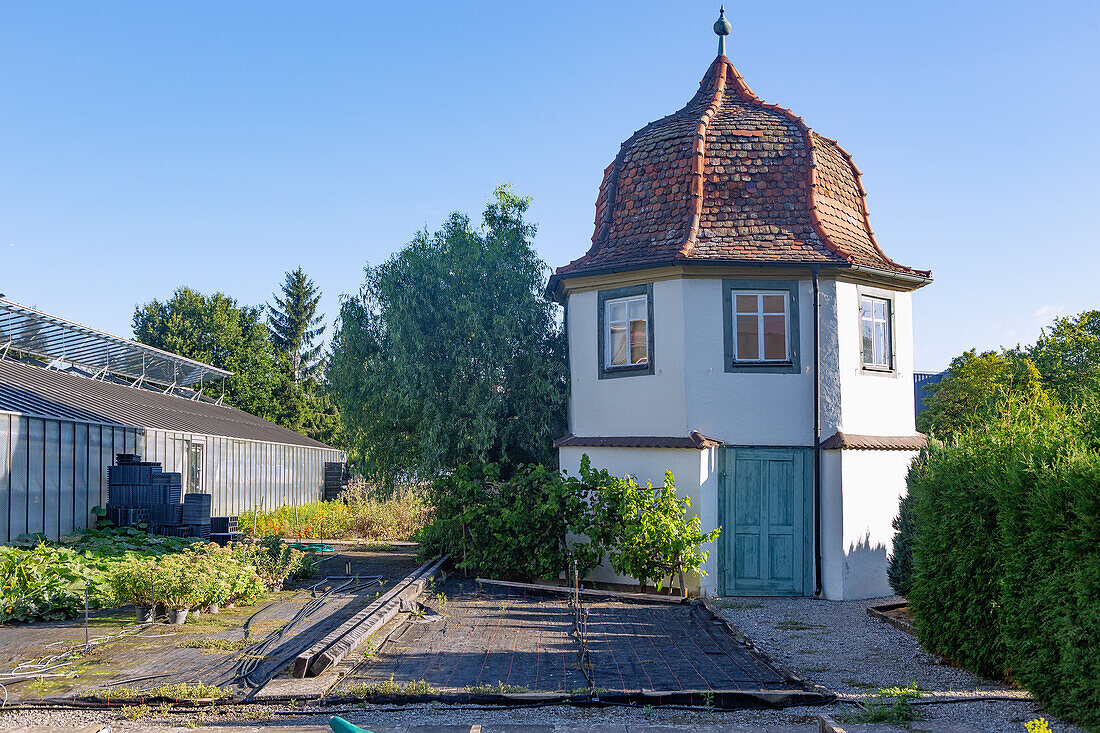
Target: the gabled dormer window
(626, 331)
(761, 325)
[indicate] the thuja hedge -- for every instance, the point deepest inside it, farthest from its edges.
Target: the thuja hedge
(1006, 577)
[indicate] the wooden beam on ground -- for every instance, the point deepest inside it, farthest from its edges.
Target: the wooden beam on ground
(348, 636)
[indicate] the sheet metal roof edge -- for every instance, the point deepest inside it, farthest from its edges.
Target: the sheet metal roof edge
(35, 416)
(106, 403)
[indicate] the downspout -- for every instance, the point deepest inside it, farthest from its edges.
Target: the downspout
(814, 270)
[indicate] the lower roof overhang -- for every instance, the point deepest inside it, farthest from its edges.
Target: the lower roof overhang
(556, 288)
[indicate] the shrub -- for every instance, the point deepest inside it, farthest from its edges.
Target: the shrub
(318, 520)
(536, 521)
(899, 571)
(645, 531)
(361, 511)
(178, 582)
(513, 528)
(274, 560)
(131, 582)
(378, 517)
(40, 583)
(1007, 554)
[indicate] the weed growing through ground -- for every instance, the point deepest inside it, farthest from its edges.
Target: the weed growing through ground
(503, 606)
(419, 687)
(175, 691)
(648, 711)
(441, 602)
(210, 642)
(737, 605)
(708, 699)
(888, 705)
(389, 687)
(135, 712)
(500, 689)
(793, 624)
(1039, 725)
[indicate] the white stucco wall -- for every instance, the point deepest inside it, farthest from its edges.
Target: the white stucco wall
(690, 388)
(861, 490)
(696, 476)
(737, 407)
(874, 403)
(642, 404)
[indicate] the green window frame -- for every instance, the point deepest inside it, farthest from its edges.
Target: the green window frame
(760, 365)
(604, 299)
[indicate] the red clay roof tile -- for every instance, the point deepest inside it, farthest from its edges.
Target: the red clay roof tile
(730, 178)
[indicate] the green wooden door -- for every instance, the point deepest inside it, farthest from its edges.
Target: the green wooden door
(765, 501)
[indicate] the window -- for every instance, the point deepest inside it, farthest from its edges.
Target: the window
(627, 339)
(625, 331)
(877, 345)
(761, 326)
(761, 332)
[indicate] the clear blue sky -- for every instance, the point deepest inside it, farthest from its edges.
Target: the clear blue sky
(144, 146)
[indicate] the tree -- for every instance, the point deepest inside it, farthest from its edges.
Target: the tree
(975, 387)
(1068, 358)
(450, 354)
(295, 325)
(216, 330)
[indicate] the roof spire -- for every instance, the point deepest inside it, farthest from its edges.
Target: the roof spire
(722, 28)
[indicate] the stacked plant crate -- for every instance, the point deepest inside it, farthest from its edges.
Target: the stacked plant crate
(141, 493)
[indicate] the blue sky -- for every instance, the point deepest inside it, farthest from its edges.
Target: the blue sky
(144, 146)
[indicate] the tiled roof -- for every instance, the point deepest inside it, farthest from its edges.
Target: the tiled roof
(696, 441)
(35, 390)
(851, 441)
(730, 178)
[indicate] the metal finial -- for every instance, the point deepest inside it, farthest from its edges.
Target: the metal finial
(722, 28)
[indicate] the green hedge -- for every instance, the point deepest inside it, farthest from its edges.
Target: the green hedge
(1007, 556)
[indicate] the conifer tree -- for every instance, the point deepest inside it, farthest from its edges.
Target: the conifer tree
(295, 325)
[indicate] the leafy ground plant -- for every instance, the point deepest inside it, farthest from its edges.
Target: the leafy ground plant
(888, 705)
(499, 689)
(213, 642)
(173, 691)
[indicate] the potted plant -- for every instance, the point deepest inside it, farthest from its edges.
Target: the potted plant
(219, 572)
(130, 583)
(179, 583)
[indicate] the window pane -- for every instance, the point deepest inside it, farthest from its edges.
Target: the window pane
(616, 311)
(775, 303)
(868, 342)
(865, 306)
(880, 310)
(775, 338)
(880, 344)
(747, 303)
(747, 335)
(618, 345)
(638, 309)
(639, 345)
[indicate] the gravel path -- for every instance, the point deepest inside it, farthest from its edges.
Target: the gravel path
(836, 644)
